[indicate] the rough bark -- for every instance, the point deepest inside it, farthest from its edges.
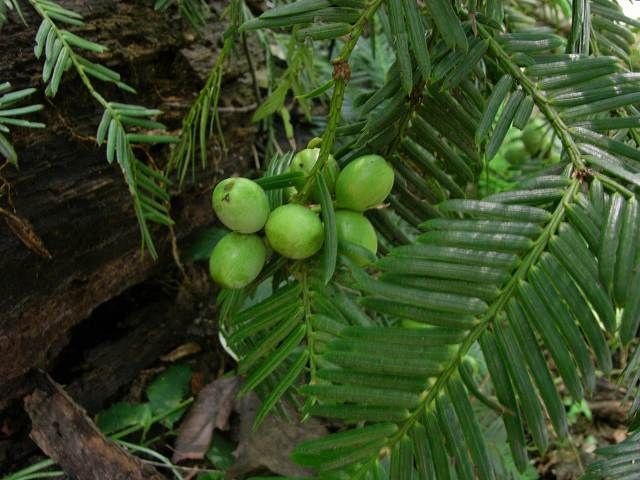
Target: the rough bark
(158, 327)
(107, 359)
(64, 432)
(78, 204)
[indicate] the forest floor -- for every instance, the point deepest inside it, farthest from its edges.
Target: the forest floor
(189, 365)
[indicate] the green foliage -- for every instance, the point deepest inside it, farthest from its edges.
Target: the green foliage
(123, 126)
(542, 265)
(621, 461)
(618, 462)
(194, 12)
(221, 452)
(577, 409)
(202, 246)
(6, 6)
(10, 114)
(167, 396)
(122, 415)
(202, 118)
(166, 400)
(289, 81)
(167, 391)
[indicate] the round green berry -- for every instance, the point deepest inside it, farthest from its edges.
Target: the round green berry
(364, 183)
(516, 153)
(355, 228)
(535, 137)
(237, 260)
(305, 160)
(294, 231)
(241, 204)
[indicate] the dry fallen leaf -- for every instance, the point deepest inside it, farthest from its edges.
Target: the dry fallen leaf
(271, 445)
(182, 351)
(211, 410)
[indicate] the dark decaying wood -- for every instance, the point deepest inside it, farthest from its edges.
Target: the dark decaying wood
(76, 203)
(104, 358)
(64, 432)
(153, 330)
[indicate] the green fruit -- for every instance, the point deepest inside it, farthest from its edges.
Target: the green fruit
(535, 137)
(516, 153)
(241, 204)
(532, 138)
(237, 260)
(304, 162)
(294, 231)
(555, 156)
(364, 183)
(356, 228)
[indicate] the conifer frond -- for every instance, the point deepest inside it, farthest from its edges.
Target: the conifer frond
(199, 123)
(122, 126)
(6, 6)
(546, 267)
(515, 277)
(11, 115)
(618, 462)
(631, 381)
(195, 12)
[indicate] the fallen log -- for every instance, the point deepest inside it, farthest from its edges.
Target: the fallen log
(76, 203)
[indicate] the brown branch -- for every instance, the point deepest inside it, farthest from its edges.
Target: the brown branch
(64, 432)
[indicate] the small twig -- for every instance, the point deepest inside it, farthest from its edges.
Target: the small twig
(256, 157)
(222, 357)
(275, 143)
(184, 469)
(4, 165)
(150, 159)
(576, 452)
(152, 453)
(175, 252)
(252, 69)
(341, 75)
(25, 232)
(242, 109)
(5, 186)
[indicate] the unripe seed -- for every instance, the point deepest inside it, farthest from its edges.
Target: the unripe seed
(536, 137)
(356, 228)
(237, 260)
(516, 153)
(305, 160)
(364, 183)
(241, 204)
(294, 231)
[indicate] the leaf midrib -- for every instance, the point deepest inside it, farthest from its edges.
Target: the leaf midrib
(540, 245)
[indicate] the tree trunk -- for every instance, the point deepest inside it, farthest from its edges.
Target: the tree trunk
(78, 204)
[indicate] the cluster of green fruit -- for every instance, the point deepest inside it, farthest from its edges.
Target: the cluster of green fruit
(293, 230)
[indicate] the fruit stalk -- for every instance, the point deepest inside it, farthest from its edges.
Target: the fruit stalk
(341, 74)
